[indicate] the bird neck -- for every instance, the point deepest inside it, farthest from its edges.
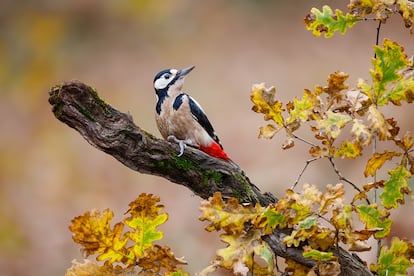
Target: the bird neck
(163, 94)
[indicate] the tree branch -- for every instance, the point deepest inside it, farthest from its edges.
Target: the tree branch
(115, 133)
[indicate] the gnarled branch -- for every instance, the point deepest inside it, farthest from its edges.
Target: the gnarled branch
(115, 133)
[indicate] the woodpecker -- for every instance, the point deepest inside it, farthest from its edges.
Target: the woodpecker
(180, 118)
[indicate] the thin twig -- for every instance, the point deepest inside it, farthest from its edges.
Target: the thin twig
(377, 37)
(341, 177)
(374, 143)
(302, 172)
(303, 140)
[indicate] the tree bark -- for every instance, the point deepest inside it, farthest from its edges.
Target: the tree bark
(115, 133)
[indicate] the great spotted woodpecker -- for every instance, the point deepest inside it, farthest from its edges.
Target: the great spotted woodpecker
(180, 118)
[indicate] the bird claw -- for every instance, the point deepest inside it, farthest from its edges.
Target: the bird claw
(182, 143)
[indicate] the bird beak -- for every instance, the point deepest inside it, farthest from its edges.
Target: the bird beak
(185, 71)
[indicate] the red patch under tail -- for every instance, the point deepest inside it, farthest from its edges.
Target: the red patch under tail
(215, 150)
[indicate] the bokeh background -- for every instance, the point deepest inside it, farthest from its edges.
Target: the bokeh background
(49, 174)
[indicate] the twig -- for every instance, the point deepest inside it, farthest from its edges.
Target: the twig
(304, 140)
(374, 142)
(302, 172)
(342, 178)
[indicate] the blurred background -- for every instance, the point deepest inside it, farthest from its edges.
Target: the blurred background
(50, 174)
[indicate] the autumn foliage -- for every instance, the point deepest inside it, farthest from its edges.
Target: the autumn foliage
(345, 121)
(134, 248)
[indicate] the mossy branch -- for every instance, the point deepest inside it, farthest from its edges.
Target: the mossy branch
(115, 133)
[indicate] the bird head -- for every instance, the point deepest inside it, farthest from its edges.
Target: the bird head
(169, 79)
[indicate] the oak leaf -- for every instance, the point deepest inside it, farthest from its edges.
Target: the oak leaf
(302, 110)
(244, 243)
(406, 143)
(381, 9)
(332, 124)
(361, 132)
(394, 260)
(93, 231)
(395, 187)
(348, 149)
(264, 102)
(379, 125)
(87, 268)
(328, 22)
(377, 160)
(268, 131)
(317, 255)
(241, 249)
(144, 218)
(406, 9)
(390, 59)
(160, 257)
(229, 216)
(376, 220)
(296, 268)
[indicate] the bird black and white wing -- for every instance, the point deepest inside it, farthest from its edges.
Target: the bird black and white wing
(201, 118)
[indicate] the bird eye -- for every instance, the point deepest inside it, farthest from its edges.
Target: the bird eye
(167, 76)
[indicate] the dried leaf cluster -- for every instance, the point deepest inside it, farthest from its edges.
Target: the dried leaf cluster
(345, 121)
(122, 251)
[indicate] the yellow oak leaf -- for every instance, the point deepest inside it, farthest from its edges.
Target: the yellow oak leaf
(349, 150)
(331, 198)
(302, 110)
(377, 160)
(87, 268)
(146, 205)
(359, 246)
(332, 124)
(229, 216)
(296, 268)
(362, 133)
(379, 125)
(144, 217)
(115, 250)
(160, 257)
(342, 217)
(336, 83)
(264, 102)
(268, 131)
(406, 9)
(406, 143)
(306, 228)
(241, 251)
(293, 207)
(93, 231)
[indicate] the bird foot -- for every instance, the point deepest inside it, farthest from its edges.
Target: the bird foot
(182, 143)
